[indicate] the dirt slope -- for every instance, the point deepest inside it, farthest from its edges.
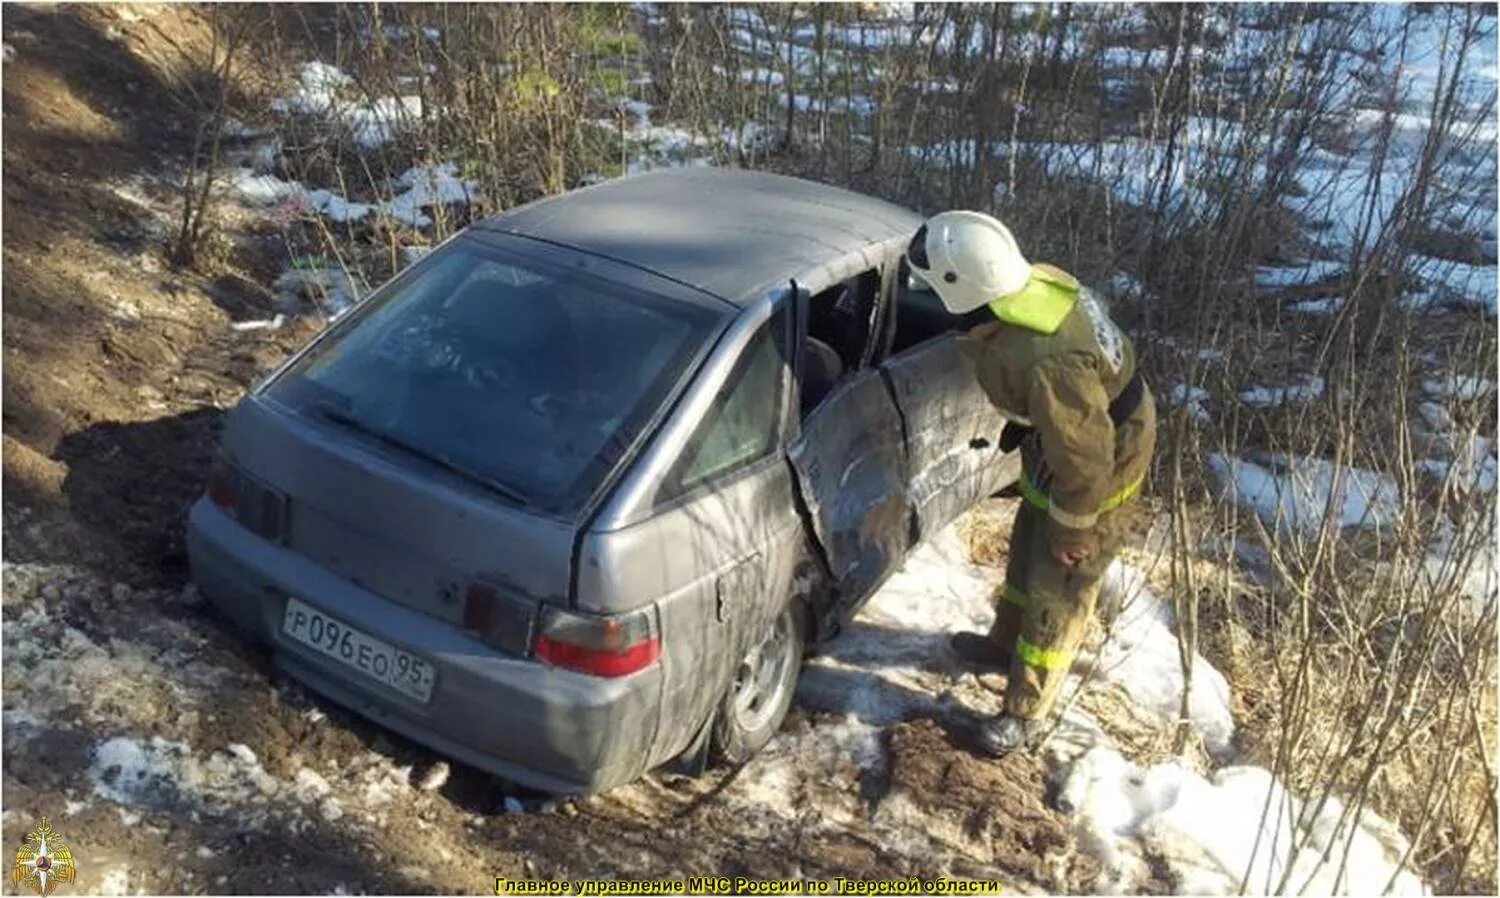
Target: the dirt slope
(165, 750)
(115, 364)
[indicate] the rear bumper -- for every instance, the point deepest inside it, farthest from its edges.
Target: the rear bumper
(544, 727)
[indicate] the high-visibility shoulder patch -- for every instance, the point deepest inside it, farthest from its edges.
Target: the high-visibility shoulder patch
(1041, 305)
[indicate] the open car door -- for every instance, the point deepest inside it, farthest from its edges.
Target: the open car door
(850, 466)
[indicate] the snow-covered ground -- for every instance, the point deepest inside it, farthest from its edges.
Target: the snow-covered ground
(1296, 492)
(326, 92)
(1215, 829)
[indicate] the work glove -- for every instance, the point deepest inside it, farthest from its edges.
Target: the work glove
(1013, 436)
(1002, 734)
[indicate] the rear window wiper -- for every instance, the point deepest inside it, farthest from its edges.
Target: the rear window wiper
(347, 419)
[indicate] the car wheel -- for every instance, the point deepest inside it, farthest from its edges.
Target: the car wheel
(760, 692)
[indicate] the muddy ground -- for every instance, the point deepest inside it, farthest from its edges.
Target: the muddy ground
(166, 751)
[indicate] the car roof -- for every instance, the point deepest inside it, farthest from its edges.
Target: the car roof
(728, 232)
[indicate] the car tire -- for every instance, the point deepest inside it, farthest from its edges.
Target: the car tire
(761, 689)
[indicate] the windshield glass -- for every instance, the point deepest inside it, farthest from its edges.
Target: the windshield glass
(528, 378)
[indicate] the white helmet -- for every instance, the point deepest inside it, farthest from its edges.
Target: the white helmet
(969, 258)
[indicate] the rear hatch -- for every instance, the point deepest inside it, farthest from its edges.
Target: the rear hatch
(441, 444)
(417, 535)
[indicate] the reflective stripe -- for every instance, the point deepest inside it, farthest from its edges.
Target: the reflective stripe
(1031, 494)
(1038, 499)
(1013, 595)
(1036, 656)
(1068, 519)
(1123, 496)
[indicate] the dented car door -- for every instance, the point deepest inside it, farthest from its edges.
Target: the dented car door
(952, 433)
(850, 463)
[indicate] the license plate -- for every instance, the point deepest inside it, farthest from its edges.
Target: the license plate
(379, 660)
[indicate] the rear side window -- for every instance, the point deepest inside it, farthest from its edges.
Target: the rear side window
(745, 422)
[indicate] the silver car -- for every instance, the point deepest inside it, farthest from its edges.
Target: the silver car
(566, 499)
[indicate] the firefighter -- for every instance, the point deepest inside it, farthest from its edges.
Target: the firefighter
(1050, 359)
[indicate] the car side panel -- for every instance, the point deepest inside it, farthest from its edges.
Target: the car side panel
(718, 564)
(952, 432)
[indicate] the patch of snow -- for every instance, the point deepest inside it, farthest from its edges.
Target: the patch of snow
(1300, 275)
(311, 784)
(330, 809)
(1296, 491)
(234, 128)
(243, 753)
(373, 122)
(328, 203)
(122, 773)
(1469, 565)
(410, 254)
(1238, 825)
(383, 783)
(329, 288)
(881, 666)
(115, 882)
(1435, 417)
(265, 154)
(261, 324)
(260, 189)
(1193, 397)
(1456, 284)
(836, 751)
(1472, 466)
(1305, 389)
(1141, 656)
(767, 77)
(1124, 285)
(752, 137)
(513, 805)
(434, 778)
(317, 87)
(1460, 386)
(427, 186)
(1324, 306)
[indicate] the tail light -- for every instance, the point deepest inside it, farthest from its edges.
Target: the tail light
(224, 485)
(256, 506)
(601, 645)
(497, 618)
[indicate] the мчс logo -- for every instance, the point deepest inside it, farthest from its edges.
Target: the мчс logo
(42, 861)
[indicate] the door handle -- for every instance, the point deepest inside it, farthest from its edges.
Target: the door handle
(979, 443)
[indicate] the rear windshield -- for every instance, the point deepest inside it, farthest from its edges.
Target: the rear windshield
(528, 378)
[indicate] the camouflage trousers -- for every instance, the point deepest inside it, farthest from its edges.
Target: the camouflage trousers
(1042, 612)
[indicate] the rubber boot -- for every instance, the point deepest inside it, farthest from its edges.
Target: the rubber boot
(1004, 733)
(979, 651)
